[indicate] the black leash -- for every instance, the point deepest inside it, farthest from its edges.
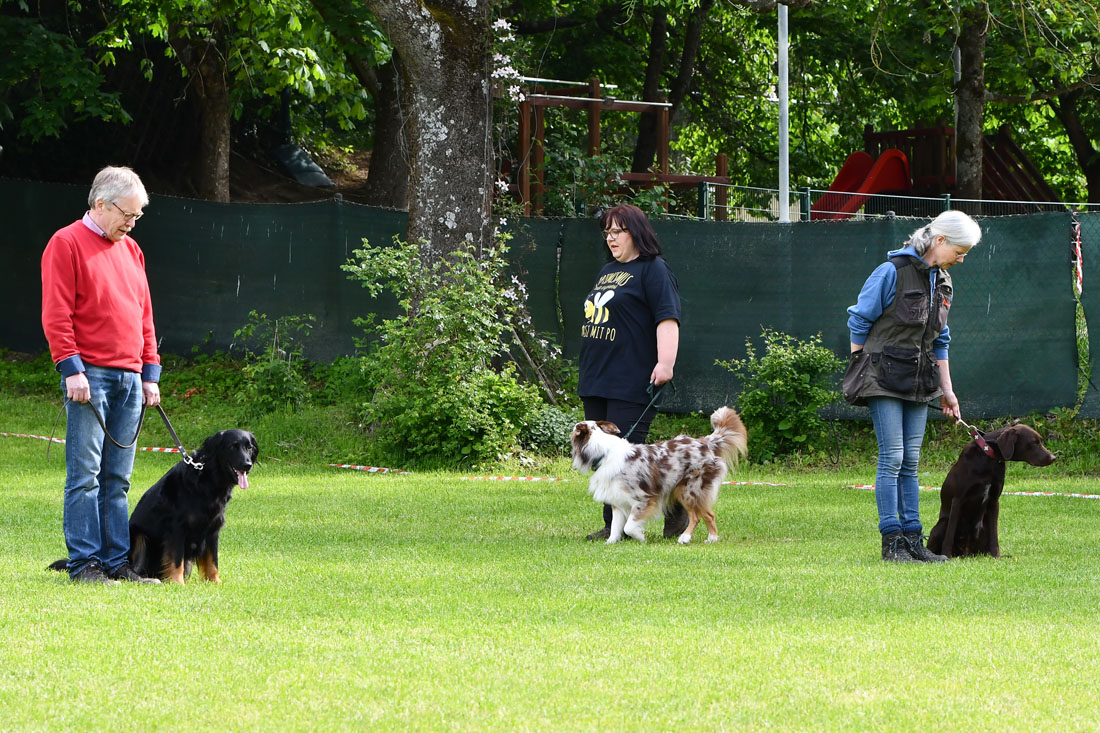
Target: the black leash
(187, 458)
(656, 396)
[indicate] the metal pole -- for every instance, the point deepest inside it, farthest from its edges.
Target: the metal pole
(784, 123)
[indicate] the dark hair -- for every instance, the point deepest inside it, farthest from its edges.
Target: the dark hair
(634, 220)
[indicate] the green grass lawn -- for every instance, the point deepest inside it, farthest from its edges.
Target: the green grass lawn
(428, 602)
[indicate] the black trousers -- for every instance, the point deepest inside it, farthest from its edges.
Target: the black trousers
(625, 415)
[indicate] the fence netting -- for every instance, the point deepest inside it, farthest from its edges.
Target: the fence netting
(1014, 336)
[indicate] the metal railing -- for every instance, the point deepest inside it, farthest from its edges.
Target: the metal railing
(752, 204)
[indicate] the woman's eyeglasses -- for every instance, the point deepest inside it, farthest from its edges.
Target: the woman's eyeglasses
(612, 233)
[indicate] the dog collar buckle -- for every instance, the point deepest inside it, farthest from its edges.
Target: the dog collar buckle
(197, 465)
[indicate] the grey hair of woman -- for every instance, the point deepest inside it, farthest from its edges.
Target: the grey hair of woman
(959, 229)
(116, 182)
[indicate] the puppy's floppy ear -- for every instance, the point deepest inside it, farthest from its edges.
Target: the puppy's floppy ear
(608, 427)
(1006, 442)
(254, 447)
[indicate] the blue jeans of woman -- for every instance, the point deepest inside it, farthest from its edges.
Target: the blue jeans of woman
(899, 429)
(97, 473)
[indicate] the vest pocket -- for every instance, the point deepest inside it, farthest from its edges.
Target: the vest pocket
(897, 368)
(931, 381)
(911, 307)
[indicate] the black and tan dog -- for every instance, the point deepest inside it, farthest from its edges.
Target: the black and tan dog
(176, 523)
(971, 493)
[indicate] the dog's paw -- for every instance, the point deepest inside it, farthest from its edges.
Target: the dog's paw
(684, 539)
(712, 538)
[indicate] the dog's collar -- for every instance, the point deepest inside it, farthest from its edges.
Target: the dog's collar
(990, 450)
(596, 463)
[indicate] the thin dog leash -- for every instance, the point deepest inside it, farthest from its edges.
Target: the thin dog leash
(976, 434)
(187, 458)
(656, 395)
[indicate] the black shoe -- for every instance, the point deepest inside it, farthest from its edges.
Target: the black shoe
(895, 548)
(676, 521)
(126, 572)
(915, 540)
(92, 573)
(600, 534)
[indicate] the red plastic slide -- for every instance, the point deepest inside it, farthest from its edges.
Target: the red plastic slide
(858, 178)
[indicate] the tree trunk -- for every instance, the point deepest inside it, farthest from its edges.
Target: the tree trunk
(1084, 149)
(388, 175)
(646, 146)
(204, 61)
(443, 45)
(970, 98)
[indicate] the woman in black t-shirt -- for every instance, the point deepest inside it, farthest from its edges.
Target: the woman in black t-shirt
(630, 336)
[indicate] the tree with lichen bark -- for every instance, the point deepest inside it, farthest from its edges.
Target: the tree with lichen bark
(444, 46)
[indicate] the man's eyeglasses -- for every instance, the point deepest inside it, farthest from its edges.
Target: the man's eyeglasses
(127, 214)
(612, 233)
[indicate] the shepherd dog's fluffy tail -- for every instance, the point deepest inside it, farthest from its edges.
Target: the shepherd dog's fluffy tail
(730, 439)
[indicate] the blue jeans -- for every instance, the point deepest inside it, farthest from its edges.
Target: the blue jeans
(97, 473)
(899, 428)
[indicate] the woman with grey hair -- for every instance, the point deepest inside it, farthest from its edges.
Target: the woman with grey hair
(899, 341)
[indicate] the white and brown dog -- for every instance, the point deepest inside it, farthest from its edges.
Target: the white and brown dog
(638, 480)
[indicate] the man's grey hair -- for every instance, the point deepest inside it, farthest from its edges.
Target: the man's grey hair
(960, 230)
(114, 183)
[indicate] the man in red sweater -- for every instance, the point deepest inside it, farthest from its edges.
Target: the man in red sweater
(98, 318)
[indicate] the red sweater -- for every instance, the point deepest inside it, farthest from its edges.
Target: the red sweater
(96, 306)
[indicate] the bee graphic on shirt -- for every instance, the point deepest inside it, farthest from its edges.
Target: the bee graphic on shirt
(596, 312)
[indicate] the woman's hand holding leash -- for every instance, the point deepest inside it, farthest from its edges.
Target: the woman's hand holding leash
(949, 405)
(150, 392)
(661, 374)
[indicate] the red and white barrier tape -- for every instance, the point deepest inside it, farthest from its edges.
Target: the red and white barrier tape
(62, 442)
(512, 478)
(871, 487)
(36, 437)
(378, 469)
(368, 469)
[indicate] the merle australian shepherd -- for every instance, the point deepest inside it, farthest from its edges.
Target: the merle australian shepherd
(176, 522)
(638, 480)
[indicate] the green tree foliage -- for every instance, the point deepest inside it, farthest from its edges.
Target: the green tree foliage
(46, 79)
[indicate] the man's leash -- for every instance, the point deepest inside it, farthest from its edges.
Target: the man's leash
(187, 458)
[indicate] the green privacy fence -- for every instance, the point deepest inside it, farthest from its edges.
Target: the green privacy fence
(209, 264)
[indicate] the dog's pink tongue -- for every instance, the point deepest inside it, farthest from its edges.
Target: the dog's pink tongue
(242, 479)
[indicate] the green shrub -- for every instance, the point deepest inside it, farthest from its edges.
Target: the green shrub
(548, 433)
(436, 397)
(782, 391)
(274, 369)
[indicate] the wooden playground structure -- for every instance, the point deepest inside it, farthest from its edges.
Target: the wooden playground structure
(592, 98)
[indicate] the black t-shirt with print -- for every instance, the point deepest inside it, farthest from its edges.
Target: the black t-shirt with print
(619, 335)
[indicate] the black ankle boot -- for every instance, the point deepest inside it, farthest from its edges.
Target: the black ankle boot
(915, 540)
(895, 548)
